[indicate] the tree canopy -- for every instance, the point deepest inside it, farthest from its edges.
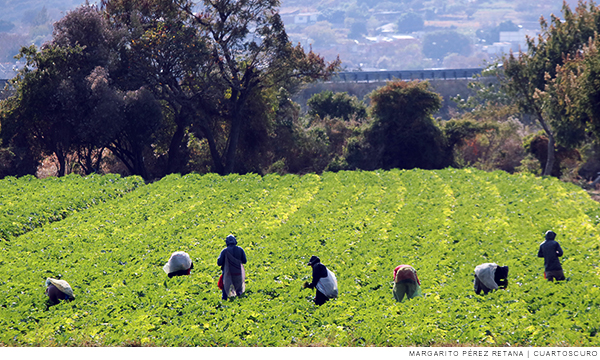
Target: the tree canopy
(527, 74)
(97, 85)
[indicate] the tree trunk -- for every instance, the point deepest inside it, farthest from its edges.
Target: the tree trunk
(174, 161)
(214, 152)
(62, 162)
(236, 128)
(234, 136)
(550, 159)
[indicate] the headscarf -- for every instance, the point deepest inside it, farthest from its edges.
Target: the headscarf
(550, 235)
(230, 240)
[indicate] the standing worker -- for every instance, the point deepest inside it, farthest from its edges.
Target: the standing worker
(324, 280)
(406, 283)
(550, 250)
(231, 261)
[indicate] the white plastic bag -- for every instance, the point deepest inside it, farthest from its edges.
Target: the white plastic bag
(328, 285)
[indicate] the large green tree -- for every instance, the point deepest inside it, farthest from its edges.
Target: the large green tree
(65, 102)
(207, 65)
(528, 73)
(403, 133)
(249, 44)
(41, 109)
(165, 51)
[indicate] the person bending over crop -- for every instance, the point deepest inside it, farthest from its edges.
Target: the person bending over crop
(490, 276)
(406, 283)
(231, 261)
(550, 250)
(324, 280)
(58, 290)
(179, 264)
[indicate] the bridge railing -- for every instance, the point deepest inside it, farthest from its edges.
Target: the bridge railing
(375, 76)
(387, 75)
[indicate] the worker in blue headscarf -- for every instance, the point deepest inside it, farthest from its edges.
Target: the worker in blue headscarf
(231, 261)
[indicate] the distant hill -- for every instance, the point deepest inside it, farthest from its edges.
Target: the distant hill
(366, 34)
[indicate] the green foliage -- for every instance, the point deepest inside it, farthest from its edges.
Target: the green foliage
(336, 105)
(361, 224)
(402, 133)
(458, 131)
(530, 75)
(27, 203)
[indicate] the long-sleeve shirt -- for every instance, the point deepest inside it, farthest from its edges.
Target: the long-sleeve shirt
(236, 251)
(319, 271)
(550, 250)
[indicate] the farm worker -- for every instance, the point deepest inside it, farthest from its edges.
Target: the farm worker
(324, 280)
(231, 261)
(406, 283)
(58, 290)
(550, 250)
(179, 264)
(490, 276)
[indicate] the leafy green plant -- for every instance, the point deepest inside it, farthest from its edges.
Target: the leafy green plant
(27, 203)
(361, 225)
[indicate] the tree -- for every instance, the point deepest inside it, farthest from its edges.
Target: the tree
(410, 22)
(164, 50)
(527, 74)
(65, 102)
(338, 105)
(574, 97)
(248, 42)
(41, 110)
(403, 133)
(358, 28)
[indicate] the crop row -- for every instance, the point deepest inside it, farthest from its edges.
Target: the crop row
(361, 225)
(27, 203)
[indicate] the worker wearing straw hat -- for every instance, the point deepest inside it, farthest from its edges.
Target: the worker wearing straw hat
(58, 290)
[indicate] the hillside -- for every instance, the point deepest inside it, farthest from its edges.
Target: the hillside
(367, 34)
(361, 224)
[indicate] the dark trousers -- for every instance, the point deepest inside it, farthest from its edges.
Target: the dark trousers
(320, 298)
(554, 275)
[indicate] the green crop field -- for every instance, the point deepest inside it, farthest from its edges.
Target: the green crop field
(361, 225)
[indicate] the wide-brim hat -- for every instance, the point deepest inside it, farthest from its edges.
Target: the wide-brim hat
(61, 285)
(179, 260)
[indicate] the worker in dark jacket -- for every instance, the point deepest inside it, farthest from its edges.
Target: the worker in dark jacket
(323, 280)
(231, 261)
(550, 250)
